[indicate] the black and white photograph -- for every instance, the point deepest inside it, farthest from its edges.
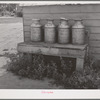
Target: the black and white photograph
(50, 46)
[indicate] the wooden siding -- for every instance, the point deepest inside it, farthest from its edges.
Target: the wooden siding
(89, 13)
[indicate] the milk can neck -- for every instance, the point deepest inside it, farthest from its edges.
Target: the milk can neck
(79, 22)
(50, 21)
(63, 22)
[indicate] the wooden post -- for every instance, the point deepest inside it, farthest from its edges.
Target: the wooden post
(79, 64)
(29, 57)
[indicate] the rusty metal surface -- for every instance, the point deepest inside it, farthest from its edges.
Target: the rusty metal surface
(36, 30)
(49, 32)
(63, 32)
(78, 34)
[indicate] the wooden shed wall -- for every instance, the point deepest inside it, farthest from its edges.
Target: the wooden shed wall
(89, 13)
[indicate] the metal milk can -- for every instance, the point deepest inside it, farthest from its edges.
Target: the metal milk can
(63, 31)
(78, 34)
(36, 30)
(49, 32)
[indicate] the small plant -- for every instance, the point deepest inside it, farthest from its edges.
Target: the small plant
(66, 68)
(18, 64)
(80, 81)
(63, 75)
(51, 69)
(77, 80)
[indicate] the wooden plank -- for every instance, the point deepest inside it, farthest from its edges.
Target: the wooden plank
(66, 15)
(27, 21)
(29, 48)
(27, 28)
(95, 56)
(36, 9)
(79, 64)
(62, 8)
(51, 9)
(90, 8)
(95, 50)
(71, 53)
(27, 34)
(94, 37)
(27, 39)
(56, 45)
(75, 8)
(39, 16)
(77, 15)
(94, 30)
(94, 43)
(89, 22)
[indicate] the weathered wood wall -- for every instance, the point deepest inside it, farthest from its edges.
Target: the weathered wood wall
(90, 13)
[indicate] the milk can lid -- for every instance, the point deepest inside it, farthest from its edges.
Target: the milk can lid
(34, 19)
(62, 18)
(78, 24)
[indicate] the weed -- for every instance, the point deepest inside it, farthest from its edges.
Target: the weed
(63, 74)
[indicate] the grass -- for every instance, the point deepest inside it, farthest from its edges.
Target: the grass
(60, 70)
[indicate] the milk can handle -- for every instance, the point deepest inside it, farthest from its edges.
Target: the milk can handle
(62, 18)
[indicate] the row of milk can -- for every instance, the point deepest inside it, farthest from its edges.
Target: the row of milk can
(63, 32)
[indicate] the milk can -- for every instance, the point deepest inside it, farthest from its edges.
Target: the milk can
(78, 34)
(49, 32)
(36, 30)
(63, 31)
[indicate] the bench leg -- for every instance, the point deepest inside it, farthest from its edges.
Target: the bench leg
(29, 57)
(79, 64)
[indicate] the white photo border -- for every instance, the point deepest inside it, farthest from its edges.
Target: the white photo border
(55, 93)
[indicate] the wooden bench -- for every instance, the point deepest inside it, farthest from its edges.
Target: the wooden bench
(63, 50)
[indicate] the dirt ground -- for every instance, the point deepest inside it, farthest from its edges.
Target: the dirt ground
(11, 33)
